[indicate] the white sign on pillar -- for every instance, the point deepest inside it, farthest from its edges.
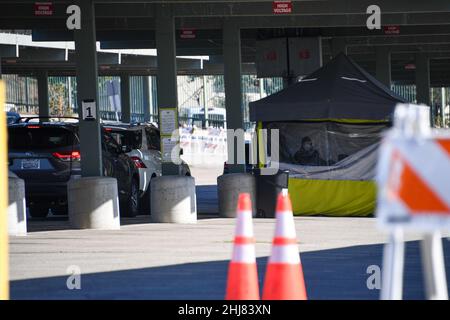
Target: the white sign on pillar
(88, 109)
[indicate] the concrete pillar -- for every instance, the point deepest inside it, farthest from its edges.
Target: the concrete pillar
(17, 210)
(205, 102)
(229, 186)
(125, 101)
(383, 65)
(338, 45)
(173, 200)
(233, 89)
(93, 203)
(42, 81)
(86, 69)
(146, 98)
(167, 68)
(423, 79)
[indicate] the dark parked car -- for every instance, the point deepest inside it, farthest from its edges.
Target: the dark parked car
(12, 117)
(47, 155)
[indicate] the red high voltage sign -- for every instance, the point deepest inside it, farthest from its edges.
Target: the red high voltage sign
(43, 8)
(282, 7)
(391, 30)
(187, 33)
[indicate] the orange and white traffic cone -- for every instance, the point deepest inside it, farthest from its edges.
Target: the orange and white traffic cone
(242, 272)
(284, 275)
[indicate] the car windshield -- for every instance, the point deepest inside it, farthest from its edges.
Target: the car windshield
(38, 138)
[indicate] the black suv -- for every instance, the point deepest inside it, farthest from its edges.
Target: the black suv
(47, 155)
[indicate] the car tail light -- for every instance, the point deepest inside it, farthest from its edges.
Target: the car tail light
(138, 163)
(33, 127)
(67, 156)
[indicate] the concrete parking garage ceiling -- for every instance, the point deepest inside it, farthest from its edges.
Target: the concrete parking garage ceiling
(424, 26)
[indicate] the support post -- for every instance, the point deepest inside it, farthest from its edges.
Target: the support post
(393, 262)
(146, 98)
(443, 104)
(383, 65)
(434, 267)
(423, 79)
(338, 45)
(4, 241)
(233, 88)
(125, 102)
(167, 68)
(205, 104)
(86, 68)
(42, 80)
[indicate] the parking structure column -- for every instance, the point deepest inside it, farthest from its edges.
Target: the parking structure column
(146, 98)
(233, 89)
(338, 45)
(383, 65)
(167, 70)
(423, 78)
(93, 199)
(125, 98)
(42, 81)
(86, 69)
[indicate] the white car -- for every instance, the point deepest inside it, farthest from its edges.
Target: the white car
(142, 141)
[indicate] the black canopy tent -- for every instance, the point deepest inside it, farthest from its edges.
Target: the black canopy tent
(339, 90)
(329, 127)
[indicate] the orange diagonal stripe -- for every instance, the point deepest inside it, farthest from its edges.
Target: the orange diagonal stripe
(445, 144)
(417, 195)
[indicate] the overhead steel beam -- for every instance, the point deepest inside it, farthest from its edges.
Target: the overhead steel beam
(122, 8)
(244, 22)
(7, 50)
(390, 40)
(42, 54)
(402, 48)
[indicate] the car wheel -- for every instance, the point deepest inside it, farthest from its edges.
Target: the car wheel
(131, 207)
(38, 212)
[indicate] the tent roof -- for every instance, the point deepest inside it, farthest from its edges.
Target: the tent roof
(339, 90)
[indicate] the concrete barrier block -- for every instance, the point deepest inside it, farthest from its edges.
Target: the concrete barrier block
(229, 186)
(173, 199)
(93, 203)
(17, 209)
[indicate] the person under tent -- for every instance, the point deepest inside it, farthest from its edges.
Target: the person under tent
(307, 155)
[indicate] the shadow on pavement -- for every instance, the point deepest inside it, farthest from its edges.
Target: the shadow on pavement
(207, 199)
(329, 274)
(207, 208)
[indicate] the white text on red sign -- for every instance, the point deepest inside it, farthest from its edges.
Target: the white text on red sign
(43, 9)
(282, 7)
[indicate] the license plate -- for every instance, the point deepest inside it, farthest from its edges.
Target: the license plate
(30, 164)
